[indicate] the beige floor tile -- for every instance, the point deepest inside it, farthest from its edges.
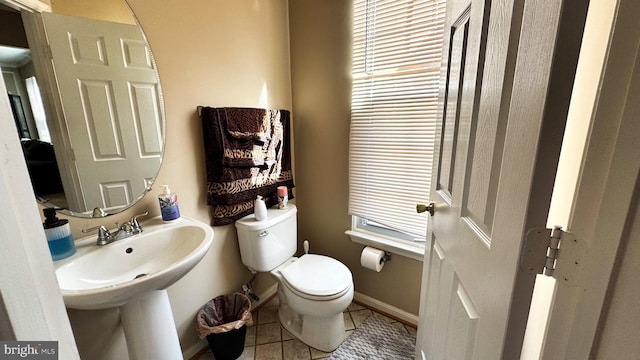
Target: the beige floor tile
(317, 354)
(248, 353)
(353, 307)
(206, 356)
(250, 338)
(274, 342)
(348, 323)
(411, 330)
(271, 351)
(286, 335)
(359, 316)
(268, 333)
(275, 301)
(268, 315)
(295, 350)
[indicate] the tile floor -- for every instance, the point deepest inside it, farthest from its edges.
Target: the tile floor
(266, 339)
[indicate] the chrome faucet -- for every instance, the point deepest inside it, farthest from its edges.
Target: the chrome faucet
(122, 231)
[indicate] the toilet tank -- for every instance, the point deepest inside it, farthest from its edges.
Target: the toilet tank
(268, 243)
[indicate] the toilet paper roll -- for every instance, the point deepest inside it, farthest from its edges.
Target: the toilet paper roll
(372, 258)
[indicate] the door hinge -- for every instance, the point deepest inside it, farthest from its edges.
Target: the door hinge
(553, 252)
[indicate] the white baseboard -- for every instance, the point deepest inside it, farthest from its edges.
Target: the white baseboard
(192, 350)
(380, 306)
(265, 296)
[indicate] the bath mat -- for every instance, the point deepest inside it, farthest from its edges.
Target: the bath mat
(376, 339)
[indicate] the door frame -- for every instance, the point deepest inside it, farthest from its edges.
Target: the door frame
(568, 20)
(604, 192)
(31, 305)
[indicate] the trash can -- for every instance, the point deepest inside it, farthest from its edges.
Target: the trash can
(223, 321)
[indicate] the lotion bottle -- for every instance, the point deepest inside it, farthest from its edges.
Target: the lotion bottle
(260, 209)
(169, 205)
(58, 233)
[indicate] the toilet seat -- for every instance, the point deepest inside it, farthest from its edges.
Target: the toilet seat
(317, 277)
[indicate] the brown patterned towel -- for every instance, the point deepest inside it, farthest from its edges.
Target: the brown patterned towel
(245, 135)
(248, 123)
(231, 190)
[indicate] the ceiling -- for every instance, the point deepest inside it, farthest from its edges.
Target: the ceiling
(13, 56)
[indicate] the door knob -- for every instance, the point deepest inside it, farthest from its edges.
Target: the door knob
(431, 208)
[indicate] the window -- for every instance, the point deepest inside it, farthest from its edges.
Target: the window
(396, 71)
(37, 108)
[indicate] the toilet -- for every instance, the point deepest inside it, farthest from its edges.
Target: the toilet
(313, 289)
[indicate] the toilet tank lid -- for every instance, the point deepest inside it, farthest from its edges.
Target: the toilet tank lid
(274, 216)
(318, 275)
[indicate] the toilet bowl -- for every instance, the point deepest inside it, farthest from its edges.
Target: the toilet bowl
(313, 290)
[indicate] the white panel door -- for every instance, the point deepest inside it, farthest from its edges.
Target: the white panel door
(488, 154)
(110, 96)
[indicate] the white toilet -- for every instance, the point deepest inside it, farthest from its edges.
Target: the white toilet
(313, 290)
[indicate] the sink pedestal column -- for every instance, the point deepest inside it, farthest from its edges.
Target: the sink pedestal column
(149, 328)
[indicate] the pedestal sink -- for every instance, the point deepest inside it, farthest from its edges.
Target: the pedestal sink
(133, 274)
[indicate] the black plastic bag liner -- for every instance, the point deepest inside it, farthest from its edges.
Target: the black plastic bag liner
(223, 321)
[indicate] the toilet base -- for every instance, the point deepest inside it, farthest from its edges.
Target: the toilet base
(324, 334)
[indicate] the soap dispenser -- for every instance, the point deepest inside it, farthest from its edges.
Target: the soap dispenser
(58, 233)
(169, 205)
(260, 209)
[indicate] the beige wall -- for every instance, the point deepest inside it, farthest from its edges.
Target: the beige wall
(321, 83)
(116, 11)
(205, 57)
(236, 53)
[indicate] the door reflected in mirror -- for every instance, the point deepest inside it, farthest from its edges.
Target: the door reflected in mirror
(101, 102)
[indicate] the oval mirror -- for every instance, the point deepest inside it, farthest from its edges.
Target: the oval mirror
(94, 143)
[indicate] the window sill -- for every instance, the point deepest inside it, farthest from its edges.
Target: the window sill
(403, 248)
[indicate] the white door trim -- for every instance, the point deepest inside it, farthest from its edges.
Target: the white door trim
(604, 192)
(28, 5)
(30, 297)
(31, 304)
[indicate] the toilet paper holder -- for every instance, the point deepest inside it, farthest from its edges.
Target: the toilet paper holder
(386, 257)
(373, 258)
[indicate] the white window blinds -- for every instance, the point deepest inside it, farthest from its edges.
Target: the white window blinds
(396, 68)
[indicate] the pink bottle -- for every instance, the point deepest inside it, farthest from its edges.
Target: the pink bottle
(283, 197)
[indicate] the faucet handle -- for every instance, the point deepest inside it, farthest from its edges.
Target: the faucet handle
(91, 229)
(136, 228)
(103, 234)
(135, 217)
(125, 226)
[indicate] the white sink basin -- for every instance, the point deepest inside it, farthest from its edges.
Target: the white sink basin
(99, 277)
